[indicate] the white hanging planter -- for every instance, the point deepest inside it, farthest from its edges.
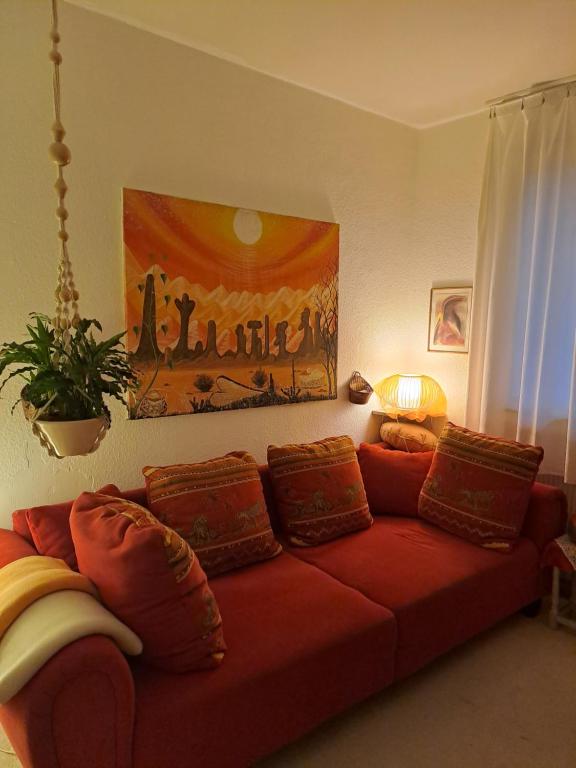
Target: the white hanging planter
(71, 438)
(67, 438)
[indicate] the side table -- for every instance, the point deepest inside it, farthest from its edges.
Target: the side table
(560, 554)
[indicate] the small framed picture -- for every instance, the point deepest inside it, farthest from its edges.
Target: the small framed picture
(449, 324)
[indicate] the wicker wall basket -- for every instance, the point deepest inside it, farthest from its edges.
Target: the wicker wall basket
(359, 390)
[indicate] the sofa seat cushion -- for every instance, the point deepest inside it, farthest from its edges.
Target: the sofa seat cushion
(441, 588)
(301, 647)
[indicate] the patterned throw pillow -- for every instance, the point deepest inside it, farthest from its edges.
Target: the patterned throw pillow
(218, 506)
(478, 487)
(319, 490)
(149, 578)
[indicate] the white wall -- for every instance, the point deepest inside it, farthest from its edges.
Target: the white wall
(144, 112)
(441, 250)
(448, 186)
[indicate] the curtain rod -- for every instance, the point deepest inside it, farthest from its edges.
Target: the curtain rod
(546, 85)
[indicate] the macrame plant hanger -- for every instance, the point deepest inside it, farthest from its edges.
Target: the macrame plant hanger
(67, 296)
(66, 315)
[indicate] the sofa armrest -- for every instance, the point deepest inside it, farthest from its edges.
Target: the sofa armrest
(77, 710)
(13, 547)
(546, 515)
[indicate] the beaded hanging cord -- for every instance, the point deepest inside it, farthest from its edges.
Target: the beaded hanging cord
(66, 316)
(66, 294)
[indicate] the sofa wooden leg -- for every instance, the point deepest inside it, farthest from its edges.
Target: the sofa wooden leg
(532, 609)
(553, 617)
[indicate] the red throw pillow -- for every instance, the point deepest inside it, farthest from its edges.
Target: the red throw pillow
(50, 529)
(218, 506)
(318, 490)
(479, 487)
(393, 479)
(20, 525)
(149, 578)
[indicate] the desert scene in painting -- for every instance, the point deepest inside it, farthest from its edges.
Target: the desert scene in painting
(227, 308)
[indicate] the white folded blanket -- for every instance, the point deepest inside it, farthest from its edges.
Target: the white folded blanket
(49, 624)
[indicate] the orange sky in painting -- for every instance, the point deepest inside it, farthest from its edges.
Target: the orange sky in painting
(198, 241)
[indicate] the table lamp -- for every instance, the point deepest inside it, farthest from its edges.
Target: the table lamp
(411, 396)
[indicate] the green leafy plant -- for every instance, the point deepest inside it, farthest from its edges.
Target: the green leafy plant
(67, 382)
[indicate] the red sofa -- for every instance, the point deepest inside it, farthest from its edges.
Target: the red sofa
(309, 634)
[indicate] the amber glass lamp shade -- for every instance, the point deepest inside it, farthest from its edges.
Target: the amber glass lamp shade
(411, 396)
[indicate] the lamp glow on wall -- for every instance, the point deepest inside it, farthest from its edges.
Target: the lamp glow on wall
(411, 396)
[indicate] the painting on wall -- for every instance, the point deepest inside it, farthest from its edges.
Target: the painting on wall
(449, 324)
(227, 308)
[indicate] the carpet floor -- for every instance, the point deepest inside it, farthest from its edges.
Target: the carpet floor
(507, 699)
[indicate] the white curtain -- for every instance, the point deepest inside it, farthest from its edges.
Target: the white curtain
(522, 373)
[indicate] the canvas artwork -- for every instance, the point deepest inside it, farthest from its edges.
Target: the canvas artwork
(227, 308)
(449, 325)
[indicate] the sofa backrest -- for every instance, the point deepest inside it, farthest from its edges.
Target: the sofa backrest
(62, 510)
(545, 516)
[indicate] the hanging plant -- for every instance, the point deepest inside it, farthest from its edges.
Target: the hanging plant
(67, 372)
(66, 383)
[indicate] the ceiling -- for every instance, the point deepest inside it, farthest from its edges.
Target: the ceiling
(420, 62)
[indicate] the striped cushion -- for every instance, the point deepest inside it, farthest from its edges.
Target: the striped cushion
(218, 507)
(478, 487)
(319, 490)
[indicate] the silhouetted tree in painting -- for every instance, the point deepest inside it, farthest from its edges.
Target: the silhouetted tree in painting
(317, 333)
(326, 301)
